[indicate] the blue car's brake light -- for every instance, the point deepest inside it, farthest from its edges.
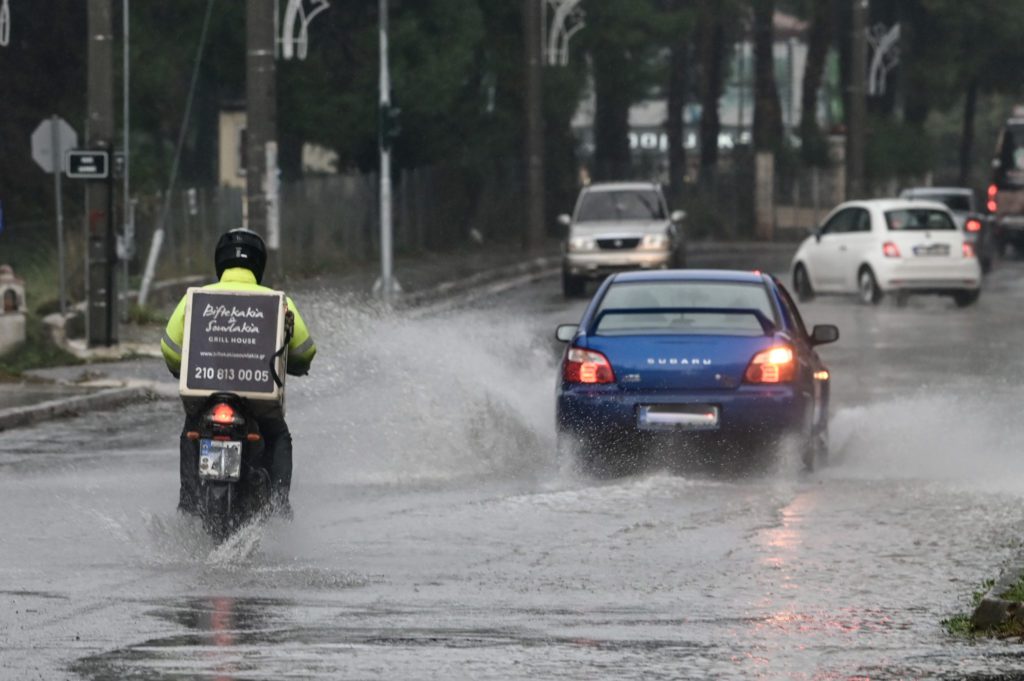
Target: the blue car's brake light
(775, 365)
(586, 366)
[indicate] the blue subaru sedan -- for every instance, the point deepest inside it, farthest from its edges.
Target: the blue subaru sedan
(714, 362)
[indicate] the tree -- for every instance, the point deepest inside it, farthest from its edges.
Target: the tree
(621, 53)
(767, 110)
(711, 58)
(819, 38)
(677, 31)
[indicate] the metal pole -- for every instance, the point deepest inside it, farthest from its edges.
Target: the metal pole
(58, 170)
(858, 114)
(129, 214)
(386, 274)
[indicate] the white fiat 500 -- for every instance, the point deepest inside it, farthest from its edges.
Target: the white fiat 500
(888, 246)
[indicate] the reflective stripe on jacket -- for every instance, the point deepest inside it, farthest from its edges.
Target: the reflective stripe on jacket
(301, 348)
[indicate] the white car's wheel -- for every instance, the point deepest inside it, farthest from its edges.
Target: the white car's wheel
(867, 287)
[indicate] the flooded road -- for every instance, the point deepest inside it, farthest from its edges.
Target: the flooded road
(437, 534)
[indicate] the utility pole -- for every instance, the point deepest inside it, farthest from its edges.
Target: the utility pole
(534, 158)
(856, 121)
(261, 122)
(99, 134)
(385, 286)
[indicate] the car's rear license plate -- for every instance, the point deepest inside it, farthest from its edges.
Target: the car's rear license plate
(677, 417)
(932, 250)
(220, 460)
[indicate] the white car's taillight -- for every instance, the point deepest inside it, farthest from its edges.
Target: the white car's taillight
(890, 250)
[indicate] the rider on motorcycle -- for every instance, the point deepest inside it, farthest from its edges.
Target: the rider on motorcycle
(240, 258)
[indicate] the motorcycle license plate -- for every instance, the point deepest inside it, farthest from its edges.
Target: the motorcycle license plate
(220, 460)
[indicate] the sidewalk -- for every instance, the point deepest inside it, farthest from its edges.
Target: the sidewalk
(134, 369)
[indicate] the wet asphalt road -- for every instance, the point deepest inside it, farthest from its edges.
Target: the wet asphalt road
(437, 535)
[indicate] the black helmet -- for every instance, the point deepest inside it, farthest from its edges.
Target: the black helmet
(241, 248)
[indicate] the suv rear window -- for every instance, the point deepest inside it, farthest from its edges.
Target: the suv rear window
(684, 294)
(918, 220)
(629, 204)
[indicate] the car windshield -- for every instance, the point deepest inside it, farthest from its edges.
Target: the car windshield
(632, 204)
(918, 220)
(960, 203)
(647, 295)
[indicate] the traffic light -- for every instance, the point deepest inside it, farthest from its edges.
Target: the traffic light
(390, 125)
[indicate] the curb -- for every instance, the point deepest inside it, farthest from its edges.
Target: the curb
(73, 406)
(450, 289)
(993, 611)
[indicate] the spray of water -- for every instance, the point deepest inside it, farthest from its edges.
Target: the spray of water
(395, 400)
(970, 434)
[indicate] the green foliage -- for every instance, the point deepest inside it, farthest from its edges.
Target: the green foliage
(38, 351)
(961, 624)
(895, 148)
(144, 314)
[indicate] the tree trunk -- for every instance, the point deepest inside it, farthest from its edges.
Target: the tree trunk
(967, 135)
(677, 86)
(712, 53)
(818, 40)
(611, 117)
(767, 111)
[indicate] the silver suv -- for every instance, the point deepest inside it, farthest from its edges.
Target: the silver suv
(619, 226)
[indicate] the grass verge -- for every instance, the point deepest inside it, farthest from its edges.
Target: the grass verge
(38, 351)
(962, 625)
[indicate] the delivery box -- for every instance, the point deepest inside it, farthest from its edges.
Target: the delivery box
(232, 341)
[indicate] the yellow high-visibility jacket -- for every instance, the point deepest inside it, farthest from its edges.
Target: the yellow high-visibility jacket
(301, 348)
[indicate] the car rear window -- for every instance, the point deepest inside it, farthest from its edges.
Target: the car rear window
(620, 205)
(651, 295)
(918, 220)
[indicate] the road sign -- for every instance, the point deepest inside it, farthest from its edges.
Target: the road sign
(88, 165)
(53, 128)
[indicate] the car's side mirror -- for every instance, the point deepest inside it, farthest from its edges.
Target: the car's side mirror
(824, 333)
(565, 332)
(677, 216)
(816, 233)
(564, 220)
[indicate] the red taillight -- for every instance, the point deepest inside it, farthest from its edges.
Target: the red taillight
(223, 414)
(993, 202)
(776, 365)
(890, 250)
(586, 366)
(973, 225)
(968, 250)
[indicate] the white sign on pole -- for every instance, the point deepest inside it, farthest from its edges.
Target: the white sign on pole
(51, 140)
(43, 138)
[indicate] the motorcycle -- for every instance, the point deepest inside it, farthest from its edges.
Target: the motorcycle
(234, 476)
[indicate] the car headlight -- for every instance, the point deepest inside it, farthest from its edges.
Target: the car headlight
(655, 242)
(582, 243)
